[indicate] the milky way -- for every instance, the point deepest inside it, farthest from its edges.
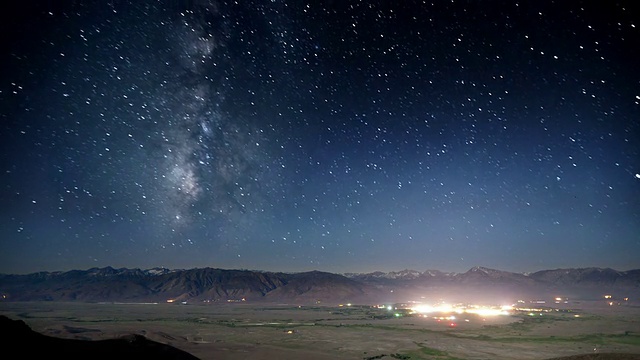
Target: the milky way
(339, 136)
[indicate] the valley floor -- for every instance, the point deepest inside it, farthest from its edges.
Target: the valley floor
(245, 331)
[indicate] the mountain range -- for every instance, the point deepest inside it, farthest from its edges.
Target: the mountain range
(227, 285)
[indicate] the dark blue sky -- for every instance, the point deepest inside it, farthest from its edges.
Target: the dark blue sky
(342, 136)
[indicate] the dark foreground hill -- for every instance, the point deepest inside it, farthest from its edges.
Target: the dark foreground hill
(21, 342)
(220, 285)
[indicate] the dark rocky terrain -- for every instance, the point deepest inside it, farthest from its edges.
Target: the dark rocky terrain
(20, 341)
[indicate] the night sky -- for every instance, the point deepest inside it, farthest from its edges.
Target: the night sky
(343, 136)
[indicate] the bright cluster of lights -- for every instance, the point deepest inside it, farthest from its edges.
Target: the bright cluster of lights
(472, 309)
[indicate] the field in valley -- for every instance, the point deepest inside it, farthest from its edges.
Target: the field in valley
(244, 331)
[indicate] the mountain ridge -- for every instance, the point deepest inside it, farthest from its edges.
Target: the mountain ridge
(238, 285)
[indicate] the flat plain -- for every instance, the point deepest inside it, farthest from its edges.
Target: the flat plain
(231, 331)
